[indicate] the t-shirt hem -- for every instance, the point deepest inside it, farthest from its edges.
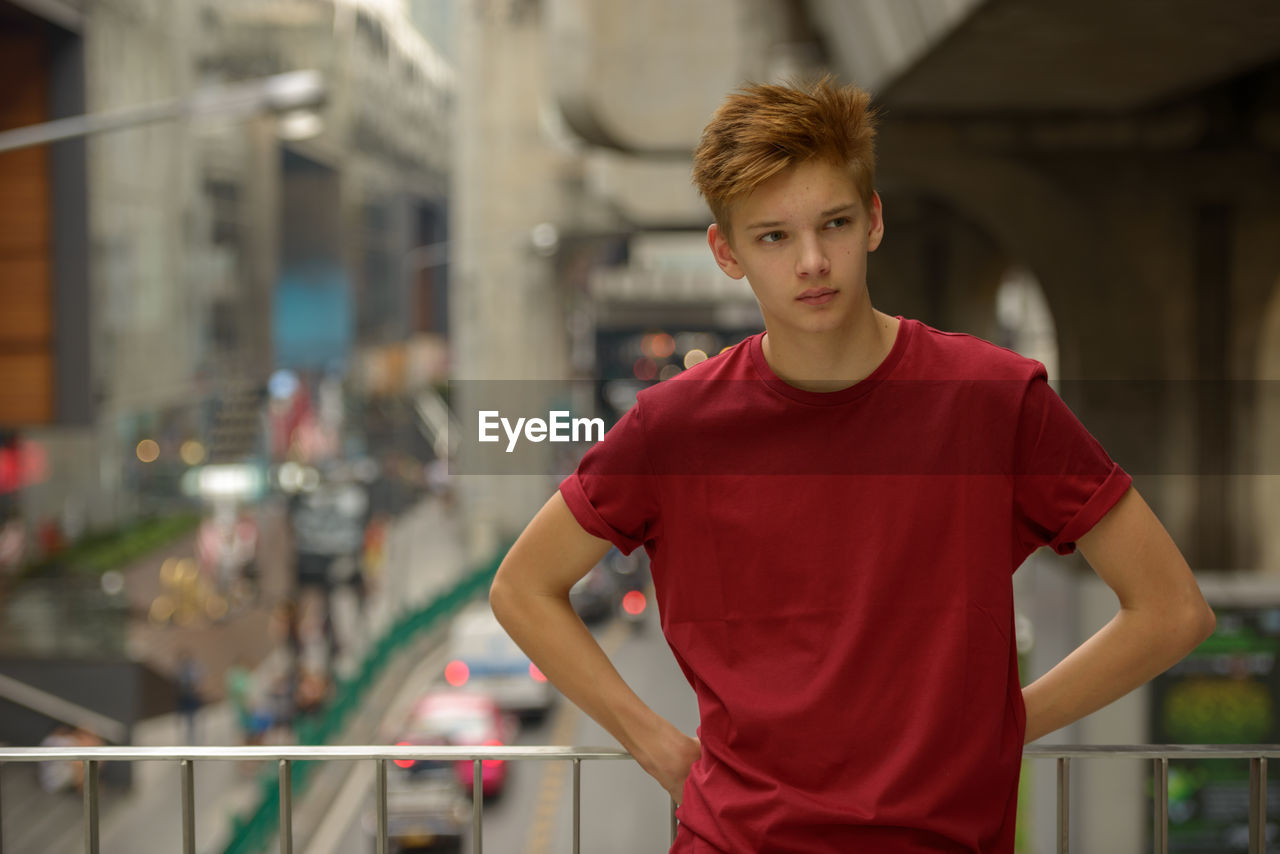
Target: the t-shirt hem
(1117, 483)
(589, 518)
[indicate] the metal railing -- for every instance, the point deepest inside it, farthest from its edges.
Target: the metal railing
(63, 711)
(1160, 754)
(186, 757)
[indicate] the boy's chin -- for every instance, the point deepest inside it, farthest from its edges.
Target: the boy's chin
(810, 322)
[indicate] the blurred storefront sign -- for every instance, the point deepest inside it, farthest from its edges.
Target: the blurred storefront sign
(1226, 692)
(22, 464)
(313, 312)
(13, 544)
(228, 482)
(405, 366)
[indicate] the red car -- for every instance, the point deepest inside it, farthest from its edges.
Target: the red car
(464, 718)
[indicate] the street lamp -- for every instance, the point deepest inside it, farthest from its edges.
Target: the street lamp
(281, 94)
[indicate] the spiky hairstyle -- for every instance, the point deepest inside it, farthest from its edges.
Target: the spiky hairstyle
(761, 130)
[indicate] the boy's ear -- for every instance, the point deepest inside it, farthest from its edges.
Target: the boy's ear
(876, 215)
(723, 252)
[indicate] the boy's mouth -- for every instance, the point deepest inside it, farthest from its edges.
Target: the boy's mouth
(817, 296)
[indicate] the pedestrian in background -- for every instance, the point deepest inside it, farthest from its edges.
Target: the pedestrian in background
(253, 714)
(190, 699)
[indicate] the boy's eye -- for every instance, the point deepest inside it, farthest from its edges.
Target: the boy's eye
(838, 222)
(771, 237)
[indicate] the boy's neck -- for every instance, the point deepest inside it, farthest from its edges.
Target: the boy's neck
(833, 360)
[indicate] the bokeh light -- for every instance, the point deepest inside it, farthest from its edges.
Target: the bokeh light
(217, 607)
(633, 603)
(162, 608)
(694, 357)
(456, 673)
(658, 345)
(148, 450)
(192, 452)
(403, 763)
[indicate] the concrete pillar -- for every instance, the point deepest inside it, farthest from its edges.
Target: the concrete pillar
(937, 266)
(1264, 488)
(1256, 355)
(506, 317)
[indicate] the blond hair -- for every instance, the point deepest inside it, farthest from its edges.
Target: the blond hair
(761, 130)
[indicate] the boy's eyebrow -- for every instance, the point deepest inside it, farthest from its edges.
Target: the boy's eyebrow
(841, 208)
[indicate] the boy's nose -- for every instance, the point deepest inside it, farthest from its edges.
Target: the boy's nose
(813, 259)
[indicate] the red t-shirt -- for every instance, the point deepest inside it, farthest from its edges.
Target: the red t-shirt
(833, 573)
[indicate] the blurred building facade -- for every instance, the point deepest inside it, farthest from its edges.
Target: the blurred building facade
(170, 268)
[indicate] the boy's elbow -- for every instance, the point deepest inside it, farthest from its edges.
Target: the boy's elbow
(500, 597)
(508, 598)
(1195, 625)
(1207, 621)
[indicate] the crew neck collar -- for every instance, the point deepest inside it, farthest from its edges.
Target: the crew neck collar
(844, 395)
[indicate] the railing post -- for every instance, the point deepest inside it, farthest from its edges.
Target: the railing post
(286, 807)
(1064, 805)
(1258, 805)
(381, 788)
(1160, 802)
(673, 821)
(577, 805)
(90, 806)
(188, 807)
(477, 807)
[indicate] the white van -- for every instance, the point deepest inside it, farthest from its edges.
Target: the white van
(484, 658)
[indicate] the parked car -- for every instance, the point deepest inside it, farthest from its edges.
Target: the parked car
(427, 808)
(595, 595)
(617, 585)
(465, 719)
(632, 580)
(484, 658)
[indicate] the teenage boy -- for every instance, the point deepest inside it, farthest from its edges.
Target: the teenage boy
(834, 509)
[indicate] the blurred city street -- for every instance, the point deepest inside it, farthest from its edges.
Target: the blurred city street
(534, 814)
(425, 555)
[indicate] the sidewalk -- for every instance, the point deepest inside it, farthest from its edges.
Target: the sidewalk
(247, 634)
(424, 555)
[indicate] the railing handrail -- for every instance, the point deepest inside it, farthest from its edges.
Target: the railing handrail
(442, 752)
(285, 756)
(1153, 751)
(63, 711)
(310, 752)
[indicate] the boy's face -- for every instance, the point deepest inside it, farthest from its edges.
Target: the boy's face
(801, 239)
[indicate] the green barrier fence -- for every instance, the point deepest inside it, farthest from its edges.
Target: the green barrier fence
(252, 832)
(95, 553)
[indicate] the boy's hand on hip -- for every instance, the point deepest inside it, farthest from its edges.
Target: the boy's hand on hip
(669, 758)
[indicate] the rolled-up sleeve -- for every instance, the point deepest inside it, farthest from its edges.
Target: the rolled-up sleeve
(612, 493)
(1064, 481)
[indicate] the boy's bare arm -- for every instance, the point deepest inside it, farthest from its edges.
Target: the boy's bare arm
(1162, 617)
(530, 597)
